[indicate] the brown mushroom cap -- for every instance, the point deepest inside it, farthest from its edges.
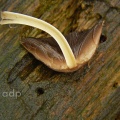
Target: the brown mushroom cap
(83, 45)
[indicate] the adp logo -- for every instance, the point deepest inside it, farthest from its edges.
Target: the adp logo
(12, 93)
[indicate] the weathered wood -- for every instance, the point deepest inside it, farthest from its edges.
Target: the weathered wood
(91, 93)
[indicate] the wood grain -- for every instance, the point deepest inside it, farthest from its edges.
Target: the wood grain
(91, 93)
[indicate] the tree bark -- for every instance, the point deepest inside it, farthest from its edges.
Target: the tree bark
(91, 93)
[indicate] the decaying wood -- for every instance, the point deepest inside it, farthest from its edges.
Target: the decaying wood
(91, 93)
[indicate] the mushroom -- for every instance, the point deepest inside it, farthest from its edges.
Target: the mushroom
(63, 54)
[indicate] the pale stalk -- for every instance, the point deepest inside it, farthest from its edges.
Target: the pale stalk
(16, 18)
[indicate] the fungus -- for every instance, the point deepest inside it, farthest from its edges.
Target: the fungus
(63, 54)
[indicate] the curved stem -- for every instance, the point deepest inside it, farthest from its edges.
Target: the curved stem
(16, 18)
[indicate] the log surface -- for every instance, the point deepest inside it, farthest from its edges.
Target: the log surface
(91, 93)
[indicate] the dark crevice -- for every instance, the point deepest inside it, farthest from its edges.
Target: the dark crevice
(23, 68)
(103, 38)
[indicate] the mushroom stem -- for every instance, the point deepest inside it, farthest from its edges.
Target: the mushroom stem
(16, 18)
